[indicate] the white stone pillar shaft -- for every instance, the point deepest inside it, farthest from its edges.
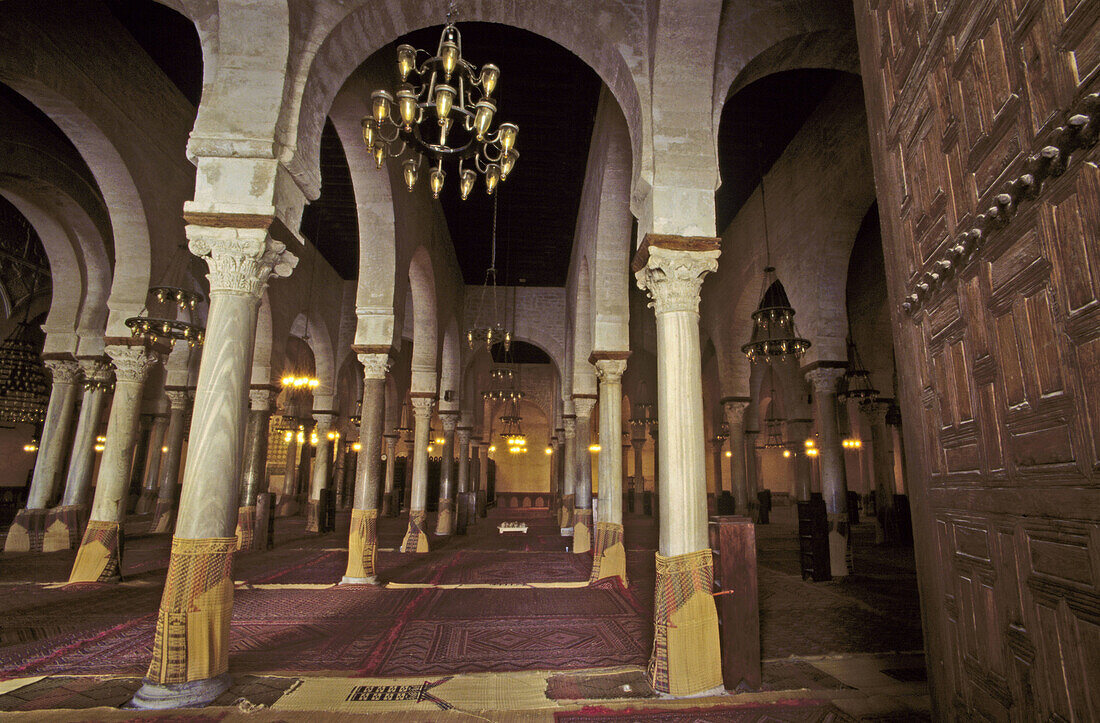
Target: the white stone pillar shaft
(735, 420)
(78, 482)
(834, 487)
(463, 460)
(322, 460)
(55, 433)
(610, 374)
(422, 412)
(371, 419)
(583, 458)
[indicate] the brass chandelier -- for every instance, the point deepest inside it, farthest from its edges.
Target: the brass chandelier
(450, 93)
(161, 328)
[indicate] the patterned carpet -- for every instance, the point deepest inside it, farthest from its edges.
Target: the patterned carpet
(808, 711)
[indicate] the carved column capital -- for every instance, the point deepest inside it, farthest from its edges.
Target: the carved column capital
(422, 407)
(735, 412)
(375, 366)
(449, 420)
(584, 406)
(261, 399)
(569, 424)
(875, 411)
(638, 443)
(240, 260)
(464, 434)
(63, 371)
(610, 370)
(324, 420)
(131, 363)
(178, 398)
(824, 379)
(673, 277)
(96, 370)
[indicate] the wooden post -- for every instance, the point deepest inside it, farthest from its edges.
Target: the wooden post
(733, 541)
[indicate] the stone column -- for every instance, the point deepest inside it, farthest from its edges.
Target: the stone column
(483, 477)
(416, 537)
(191, 648)
(656, 505)
(445, 522)
(153, 459)
(254, 474)
(285, 504)
(752, 467)
(389, 506)
(833, 486)
(462, 506)
(569, 473)
(638, 485)
(305, 462)
(320, 472)
(29, 526)
(555, 474)
(686, 658)
(800, 430)
(475, 479)
(883, 466)
(716, 446)
(65, 523)
(363, 533)
(609, 551)
(582, 461)
(735, 420)
(100, 554)
(164, 513)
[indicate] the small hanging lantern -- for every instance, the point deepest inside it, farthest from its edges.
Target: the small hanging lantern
(774, 336)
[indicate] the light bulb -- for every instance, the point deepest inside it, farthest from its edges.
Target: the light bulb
(368, 131)
(787, 453)
(406, 60)
(379, 154)
(448, 51)
(492, 175)
(465, 185)
(408, 170)
(436, 177)
(483, 116)
(507, 135)
(507, 162)
(444, 98)
(490, 75)
(380, 106)
(406, 104)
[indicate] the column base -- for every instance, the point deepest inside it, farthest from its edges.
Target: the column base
(246, 528)
(609, 556)
(164, 517)
(686, 658)
(64, 528)
(839, 551)
(582, 530)
(445, 522)
(313, 516)
(362, 547)
(26, 531)
(146, 502)
(99, 558)
(345, 580)
(565, 516)
(196, 694)
(416, 540)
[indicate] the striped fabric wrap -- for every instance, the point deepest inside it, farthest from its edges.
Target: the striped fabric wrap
(686, 656)
(416, 539)
(582, 530)
(609, 555)
(99, 558)
(362, 544)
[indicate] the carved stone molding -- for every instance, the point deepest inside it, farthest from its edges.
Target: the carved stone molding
(375, 366)
(449, 420)
(584, 405)
(569, 424)
(179, 398)
(422, 407)
(325, 421)
(132, 363)
(63, 371)
(96, 369)
(824, 379)
(673, 278)
(735, 411)
(875, 411)
(240, 259)
(610, 370)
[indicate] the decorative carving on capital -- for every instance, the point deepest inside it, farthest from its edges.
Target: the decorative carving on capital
(735, 412)
(610, 371)
(178, 398)
(96, 370)
(464, 434)
(569, 425)
(132, 363)
(261, 399)
(325, 422)
(449, 420)
(824, 379)
(63, 371)
(375, 366)
(240, 260)
(674, 277)
(584, 406)
(422, 407)
(875, 411)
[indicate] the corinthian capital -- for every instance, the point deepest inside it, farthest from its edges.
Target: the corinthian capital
(422, 407)
(131, 363)
(584, 406)
(569, 424)
(63, 371)
(824, 379)
(610, 371)
(673, 277)
(375, 366)
(178, 398)
(96, 369)
(735, 411)
(240, 259)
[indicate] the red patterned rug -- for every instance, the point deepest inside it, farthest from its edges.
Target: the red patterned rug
(792, 711)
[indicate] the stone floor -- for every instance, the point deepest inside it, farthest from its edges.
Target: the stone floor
(855, 644)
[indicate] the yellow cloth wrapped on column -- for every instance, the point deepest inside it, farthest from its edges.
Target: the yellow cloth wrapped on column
(246, 527)
(64, 526)
(164, 516)
(100, 555)
(686, 656)
(609, 555)
(582, 530)
(445, 521)
(416, 540)
(192, 639)
(565, 515)
(313, 516)
(26, 531)
(362, 544)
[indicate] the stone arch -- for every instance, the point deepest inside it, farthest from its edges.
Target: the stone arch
(312, 330)
(425, 322)
(371, 26)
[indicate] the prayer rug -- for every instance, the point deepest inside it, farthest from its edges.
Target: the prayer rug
(479, 567)
(793, 711)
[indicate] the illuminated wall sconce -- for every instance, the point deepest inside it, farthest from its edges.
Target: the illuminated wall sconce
(549, 450)
(852, 443)
(729, 453)
(593, 448)
(356, 446)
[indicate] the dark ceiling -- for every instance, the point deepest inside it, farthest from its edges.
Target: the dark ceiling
(521, 353)
(757, 124)
(169, 38)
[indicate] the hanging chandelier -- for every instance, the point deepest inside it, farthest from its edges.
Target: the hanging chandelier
(488, 327)
(155, 329)
(404, 429)
(774, 428)
(444, 111)
(856, 383)
(24, 383)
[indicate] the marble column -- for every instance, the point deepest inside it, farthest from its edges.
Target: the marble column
(735, 420)
(65, 523)
(834, 488)
(752, 467)
(637, 490)
(555, 474)
(286, 505)
(389, 506)
(671, 271)
(475, 478)
(656, 495)
(483, 477)
(100, 554)
(445, 521)
(717, 449)
(305, 462)
(190, 658)
(29, 526)
(462, 506)
(569, 473)
(609, 549)
(320, 473)
(800, 430)
(168, 491)
(883, 466)
(254, 473)
(153, 458)
(582, 491)
(416, 537)
(363, 533)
